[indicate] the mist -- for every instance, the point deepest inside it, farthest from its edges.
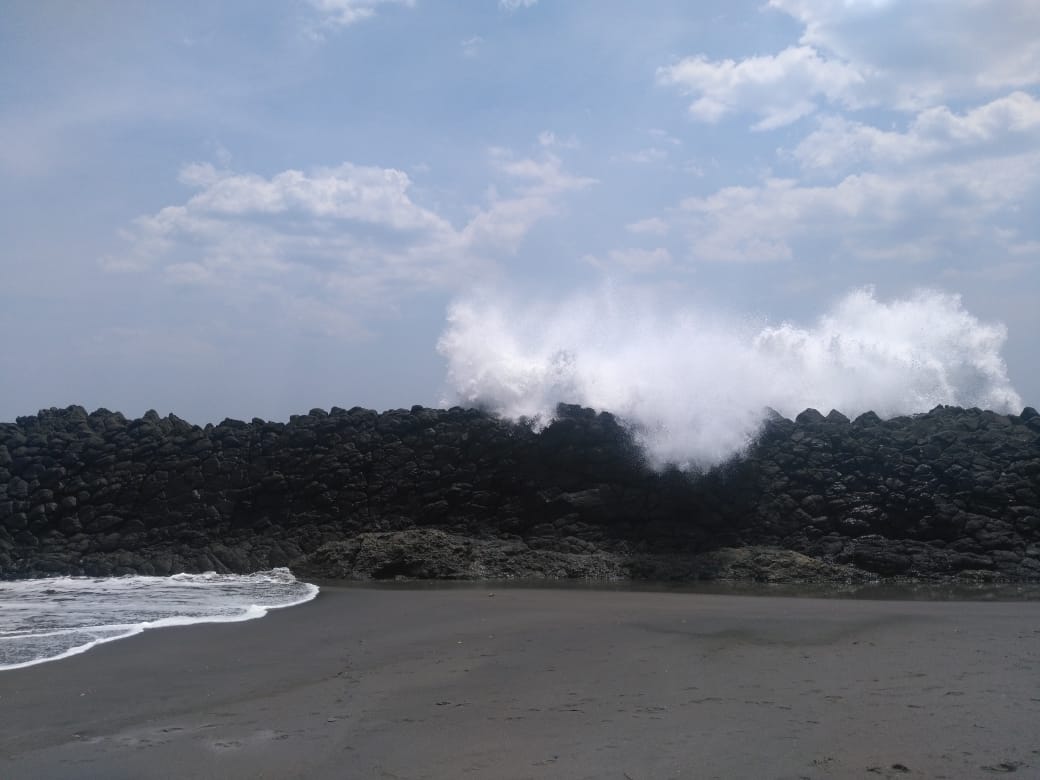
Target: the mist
(695, 385)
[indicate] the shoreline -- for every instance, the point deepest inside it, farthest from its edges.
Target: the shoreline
(877, 590)
(148, 618)
(434, 682)
(889, 589)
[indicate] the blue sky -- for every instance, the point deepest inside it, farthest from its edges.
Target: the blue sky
(255, 208)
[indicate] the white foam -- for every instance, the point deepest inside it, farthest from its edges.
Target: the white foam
(48, 619)
(74, 650)
(695, 385)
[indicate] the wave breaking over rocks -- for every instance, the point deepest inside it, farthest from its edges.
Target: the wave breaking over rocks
(696, 386)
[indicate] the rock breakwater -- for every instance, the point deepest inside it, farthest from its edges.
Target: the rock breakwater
(459, 493)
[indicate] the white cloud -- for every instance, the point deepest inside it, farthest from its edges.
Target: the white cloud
(549, 139)
(780, 88)
(988, 129)
(665, 137)
(350, 233)
(542, 176)
(336, 14)
(512, 5)
(651, 226)
(649, 154)
(928, 51)
(950, 184)
(693, 168)
(865, 53)
(903, 215)
(471, 46)
(539, 183)
(347, 192)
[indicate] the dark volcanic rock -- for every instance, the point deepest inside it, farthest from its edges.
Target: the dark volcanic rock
(432, 554)
(458, 493)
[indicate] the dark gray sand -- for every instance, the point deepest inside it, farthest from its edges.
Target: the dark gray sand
(450, 683)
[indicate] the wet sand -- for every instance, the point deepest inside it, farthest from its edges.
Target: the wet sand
(541, 683)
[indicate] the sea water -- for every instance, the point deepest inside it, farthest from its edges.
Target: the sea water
(51, 618)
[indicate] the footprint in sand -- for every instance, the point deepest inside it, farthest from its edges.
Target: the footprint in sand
(901, 769)
(1004, 767)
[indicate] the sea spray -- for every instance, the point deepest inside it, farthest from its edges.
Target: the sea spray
(47, 619)
(695, 385)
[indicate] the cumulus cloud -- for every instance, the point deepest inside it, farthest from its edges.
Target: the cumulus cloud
(993, 128)
(928, 51)
(348, 233)
(781, 88)
(512, 5)
(864, 53)
(947, 177)
(346, 192)
(912, 215)
(241, 224)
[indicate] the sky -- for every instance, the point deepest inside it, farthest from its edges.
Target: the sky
(255, 208)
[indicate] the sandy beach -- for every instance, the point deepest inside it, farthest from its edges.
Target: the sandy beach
(543, 683)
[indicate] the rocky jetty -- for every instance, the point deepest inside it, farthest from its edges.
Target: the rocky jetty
(458, 493)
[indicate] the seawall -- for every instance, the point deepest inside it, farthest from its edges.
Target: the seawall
(459, 493)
